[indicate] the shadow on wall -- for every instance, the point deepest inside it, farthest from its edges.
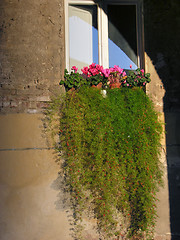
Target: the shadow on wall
(162, 38)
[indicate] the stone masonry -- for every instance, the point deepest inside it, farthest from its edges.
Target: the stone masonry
(31, 53)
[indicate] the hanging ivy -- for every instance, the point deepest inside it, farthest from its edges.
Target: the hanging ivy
(111, 159)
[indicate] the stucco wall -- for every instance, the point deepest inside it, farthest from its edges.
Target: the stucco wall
(31, 196)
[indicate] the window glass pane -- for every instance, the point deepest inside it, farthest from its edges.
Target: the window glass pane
(83, 35)
(122, 37)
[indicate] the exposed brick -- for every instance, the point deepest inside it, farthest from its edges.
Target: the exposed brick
(42, 105)
(13, 104)
(32, 111)
(6, 104)
(42, 98)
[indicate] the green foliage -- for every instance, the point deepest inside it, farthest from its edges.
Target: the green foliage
(73, 80)
(111, 151)
(76, 80)
(95, 80)
(137, 78)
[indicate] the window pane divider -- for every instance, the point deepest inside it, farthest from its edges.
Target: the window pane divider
(103, 37)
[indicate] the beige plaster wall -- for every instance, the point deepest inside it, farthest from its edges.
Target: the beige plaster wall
(156, 92)
(31, 198)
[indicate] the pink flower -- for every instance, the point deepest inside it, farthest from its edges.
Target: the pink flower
(144, 83)
(99, 68)
(118, 69)
(130, 66)
(85, 70)
(127, 84)
(142, 70)
(111, 70)
(92, 65)
(106, 72)
(94, 71)
(124, 74)
(74, 68)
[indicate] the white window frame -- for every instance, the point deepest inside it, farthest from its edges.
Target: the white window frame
(103, 28)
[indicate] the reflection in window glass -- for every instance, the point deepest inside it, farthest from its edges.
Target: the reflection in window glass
(83, 35)
(122, 38)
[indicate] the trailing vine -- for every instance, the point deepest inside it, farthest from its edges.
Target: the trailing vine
(111, 159)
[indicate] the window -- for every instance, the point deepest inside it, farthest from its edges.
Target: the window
(105, 32)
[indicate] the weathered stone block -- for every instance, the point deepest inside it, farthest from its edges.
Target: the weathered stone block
(32, 53)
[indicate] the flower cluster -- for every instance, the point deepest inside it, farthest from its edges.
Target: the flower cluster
(96, 75)
(116, 70)
(137, 78)
(116, 76)
(95, 69)
(92, 70)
